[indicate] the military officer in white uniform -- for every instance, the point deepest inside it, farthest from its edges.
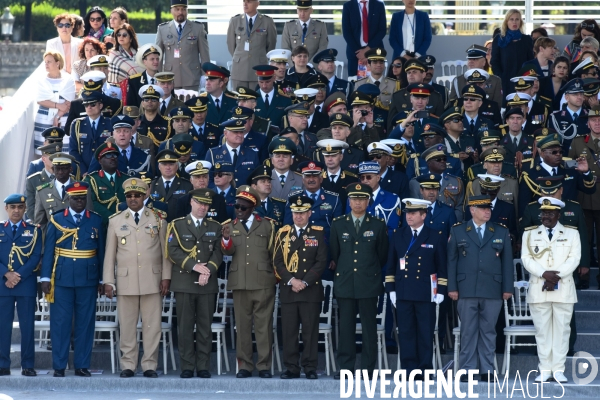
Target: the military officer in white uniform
(305, 31)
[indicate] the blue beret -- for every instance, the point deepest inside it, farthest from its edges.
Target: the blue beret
(15, 198)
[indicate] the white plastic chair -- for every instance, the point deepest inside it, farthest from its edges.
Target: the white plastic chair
(219, 325)
(325, 327)
(453, 68)
(518, 321)
(519, 271)
(42, 319)
(229, 84)
(107, 321)
(445, 81)
(166, 328)
(381, 350)
(339, 69)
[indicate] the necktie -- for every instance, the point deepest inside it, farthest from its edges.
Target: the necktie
(377, 83)
(549, 234)
(332, 178)
(282, 179)
(167, 186)
(365, 21)
(136, 218)
(472, 126)
(364, 126)
(479, 234)
(553, 171)
(222, 193)
(235, 157)
(264, 204)
(62, 192)
(575, 117)
(411, 148)
(430, 211)
(267, 101)
(313, 196)
(179, 29)
(124, 154)
(217, 105)
(78, 218)
(300, 232)
(415, 234)
(301, 144)
(596, 142)
(152, 81)
(515, 142)
(200, 131)
(318, 109)
(198, 224)
(14, 227)
(112, 181)
(458, 144)
(244, 224)
(94, 127)
(163, 107)
(250, 24)
(357, 225)
(304, 29)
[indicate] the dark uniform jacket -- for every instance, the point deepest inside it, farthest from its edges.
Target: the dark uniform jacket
(188, 245)
(503, 213)
(84, 142)
(106, 196)
(277, 105)
(247, 161)
(209, 136)
(423, 257)
(217, 210)
(159, 129)
(327, 206)
(303, 258)
(110, 107)
(179, 188)
(28, 240)
(584, 145)
(435, 105)
(275, 210)
(525, 146)
(359, 257)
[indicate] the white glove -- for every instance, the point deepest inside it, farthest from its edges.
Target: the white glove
(393, 298)
(438, 298)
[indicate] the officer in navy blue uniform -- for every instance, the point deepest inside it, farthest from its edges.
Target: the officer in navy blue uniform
(297, 117)
(51, 135)
(551, 164)
(473, 122)
(185, 147)
(244, 159)
(416, 253)
(252, 140)
(271, 101)
(201, 130)
(89, 132)
(224, 190)
(461, 146)
(340, 130)
(440, 217)
(391, 181)
(429, 61)
(326, 205)
(217, 115)
(152, 123)
(20, 254)
(270, 207)
(248, 98)
(71, 274)
(566, 121)
(432, 135)
(335, 179)
(335, 84)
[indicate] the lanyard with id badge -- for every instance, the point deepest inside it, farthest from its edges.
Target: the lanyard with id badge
(247, 42)
(402, 260)
(176, 50)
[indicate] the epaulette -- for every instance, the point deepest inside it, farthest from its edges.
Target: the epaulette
(361, 79)
(34, 174)
(93, 172)
(213, 221)
(115, 214)
(570, 226)
(414, 155)
(198, 22)
(164, 23)
(291, 20)
(458, 223)
(210, 123)
(226, 222)
(264, 15)
(160, 213)
(285, 228)
(297, 173)
(529, 228)
(94, 212)
(331, 193)
(391, 79)
(45, 185)
(203, 94)
(135, 76)
(278, 199)
(573, 201)
(502, 225)
(340, 217)
(58, 211)
(178, 219)
(317, 227)
(230, 95)
(351, 174)
(533, 202)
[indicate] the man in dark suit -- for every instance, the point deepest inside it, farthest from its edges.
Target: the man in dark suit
(416, 290)
(195, 285)
(364, 26)
(168, 187)
(301, 292)
(89, 132)
(148, 56)
(220, 101)
(359, 246)
(271, 103)
(517, 144)
(244, 159)
(19, 282)
(72, 291)
(325, 64)
(201, 130)
(480, 276)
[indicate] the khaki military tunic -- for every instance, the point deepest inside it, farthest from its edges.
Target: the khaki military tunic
(315, 41)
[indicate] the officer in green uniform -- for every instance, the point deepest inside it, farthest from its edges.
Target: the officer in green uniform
(39, 178)
(571, 216)
(359, 246)
(193, 244)
(107, 184)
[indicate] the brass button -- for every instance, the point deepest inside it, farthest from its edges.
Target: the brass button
(304, 270)
(418, 270)
(417, 277)
(138, 241)
(419, 258)
(338, 274)
(139, 254)
(354, 269)
(406, 257)
(355, 261)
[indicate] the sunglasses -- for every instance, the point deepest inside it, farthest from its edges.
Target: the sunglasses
(554, 152)
(147, 100)
(588, 26)
(397, 65)
(366, 177)
(470, 99)
(441, 159)
(122, 34)
(456, 120)
(375, 156)
(221, 174)
(92, 104)
(96, 19)
(67, 25)
(136, 195)
(241, 207)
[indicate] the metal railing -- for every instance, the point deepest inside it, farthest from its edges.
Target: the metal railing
(464, 15)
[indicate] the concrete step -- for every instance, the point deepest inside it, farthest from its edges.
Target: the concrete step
(588, 318)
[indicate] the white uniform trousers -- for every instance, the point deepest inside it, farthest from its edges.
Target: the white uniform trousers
(552, 329)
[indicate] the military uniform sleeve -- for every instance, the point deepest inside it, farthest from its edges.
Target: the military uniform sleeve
(216, 257)
(167, 265)
(334, 245)
(286, 42)
(30, 203)
(181, 258)
(574, 258)
(203, 47)
(229, 248)
(231, 37)
(383, 243)
(271, 36)
(313, 275)
(324, 39)
(48, 257)
(392, 264)
(110, 254)
(39, 213)
(507, 265)
(586, 183)
(452, 262)
(34, 259)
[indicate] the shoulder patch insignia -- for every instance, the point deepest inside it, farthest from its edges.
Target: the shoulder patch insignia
(529, 228)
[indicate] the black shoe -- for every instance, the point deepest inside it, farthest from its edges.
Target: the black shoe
(186, 373)
(4, 371)
(391, 349)
(265, 373)
(203, 374)
(126, 373)
(82, 372)
(311, 375)
(243, 373)
(28, 372)
(151, 374)
(290, 375)
(336, 376)
(59, 373)
(464, 378)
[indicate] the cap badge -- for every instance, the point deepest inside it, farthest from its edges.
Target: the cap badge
(238, 111)
(476, 74)
(516, 98)
(238, 122)
(409, 203)
(76, 184)
(299, 202)
(397, 147)
(133, 182)
(544, 131)
(471, 89)
(22, 199)
(127, 108)
(328, 148)
(179, 112)
(495, 151)
(488, 179)
(358, 187)
(546, 202)
(548, 183)
(311, 165)
(338, 116)
(167, 156)
(378, 52)
(485, 134)
(427, 127)
(217, 165)
(431, 176)
(521, 82)
(242, 91)
(102, 59)
(150, 90)
(182, 147)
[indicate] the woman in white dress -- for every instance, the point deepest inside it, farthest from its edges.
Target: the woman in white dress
(56, 90)
(65, 44)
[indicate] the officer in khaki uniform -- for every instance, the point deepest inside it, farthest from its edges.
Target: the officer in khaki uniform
(249, 39)
(184, 46)
(249, 239)
(387, 86)
(300, 258)
(359, 247)
(305, 31)
(39, 178)
(195, 249)
(136, 270)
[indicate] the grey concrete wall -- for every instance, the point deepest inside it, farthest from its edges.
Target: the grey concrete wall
(444, 48)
